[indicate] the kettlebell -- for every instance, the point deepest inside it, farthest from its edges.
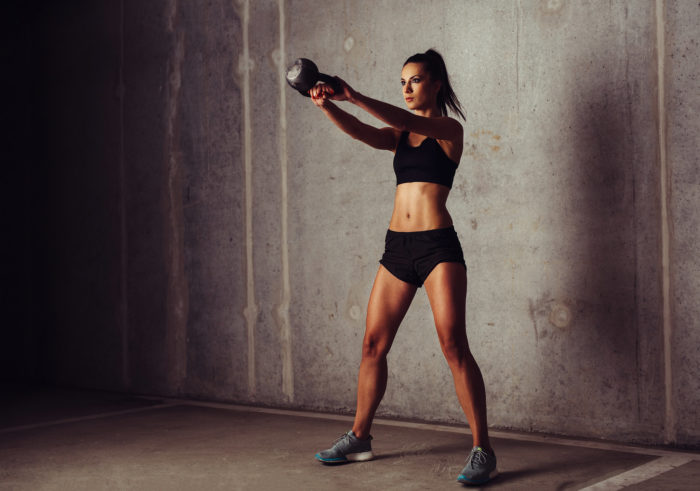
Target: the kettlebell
(303, 74)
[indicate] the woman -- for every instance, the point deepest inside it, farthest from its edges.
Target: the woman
(421, 248)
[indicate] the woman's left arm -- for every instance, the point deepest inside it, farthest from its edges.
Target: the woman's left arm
(442, 128)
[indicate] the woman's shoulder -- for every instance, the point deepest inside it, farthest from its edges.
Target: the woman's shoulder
(450, 128)
(454, 128)
(455, 122)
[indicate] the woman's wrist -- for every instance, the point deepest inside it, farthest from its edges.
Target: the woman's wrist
(327, 106)
(355, 97)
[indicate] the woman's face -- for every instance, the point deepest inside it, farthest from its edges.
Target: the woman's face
(419, 91)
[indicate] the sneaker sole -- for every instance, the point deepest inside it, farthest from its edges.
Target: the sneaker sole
(351, 457)
(360, 457)
(466, 480)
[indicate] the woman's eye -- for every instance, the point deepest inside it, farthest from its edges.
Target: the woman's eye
(403, 83)
(415, 81)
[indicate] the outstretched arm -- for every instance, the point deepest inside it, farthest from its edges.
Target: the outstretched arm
(383, 139)
(442, 128)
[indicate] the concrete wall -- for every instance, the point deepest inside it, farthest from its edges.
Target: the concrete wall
(18, 342)
(77, 221)
(682, 142)
(212, 235)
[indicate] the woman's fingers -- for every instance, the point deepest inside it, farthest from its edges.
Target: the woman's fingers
(319, 101)
(320, 93)
(315, 93)
(320, 90)
(324, 91)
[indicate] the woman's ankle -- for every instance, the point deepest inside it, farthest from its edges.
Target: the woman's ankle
(360, 434)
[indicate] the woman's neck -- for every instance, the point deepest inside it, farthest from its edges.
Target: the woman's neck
(432, 112)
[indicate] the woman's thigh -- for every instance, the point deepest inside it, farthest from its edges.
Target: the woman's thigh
(446, 287)
(388, 304)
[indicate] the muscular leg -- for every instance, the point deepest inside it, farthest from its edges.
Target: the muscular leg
(446, 287)
(387, 307)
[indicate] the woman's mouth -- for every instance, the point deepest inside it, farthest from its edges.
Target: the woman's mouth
(409, 99)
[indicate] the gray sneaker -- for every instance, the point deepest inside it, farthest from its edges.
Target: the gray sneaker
(347, 448)
(480, 467)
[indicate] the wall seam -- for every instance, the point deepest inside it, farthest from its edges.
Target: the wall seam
(283, 308)
(518, 18)
(177, 295)
(251, 310)
(670, 415)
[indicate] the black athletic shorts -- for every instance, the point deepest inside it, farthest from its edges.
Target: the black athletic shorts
(411, 256)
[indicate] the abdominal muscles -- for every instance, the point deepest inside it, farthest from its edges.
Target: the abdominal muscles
(420, 206)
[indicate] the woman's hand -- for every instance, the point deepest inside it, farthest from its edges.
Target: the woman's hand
(320, 93)
(345, 92)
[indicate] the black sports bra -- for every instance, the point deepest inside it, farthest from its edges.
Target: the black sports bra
(425, 163)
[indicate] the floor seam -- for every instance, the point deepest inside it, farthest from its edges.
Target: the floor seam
(57, 422)
(639, 474)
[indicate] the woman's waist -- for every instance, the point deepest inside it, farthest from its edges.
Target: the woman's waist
(420, 206)
(416, 220)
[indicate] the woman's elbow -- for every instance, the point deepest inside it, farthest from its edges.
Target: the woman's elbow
(402, 125)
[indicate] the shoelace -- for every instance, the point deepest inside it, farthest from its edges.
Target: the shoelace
(342, 437)
(478, 457)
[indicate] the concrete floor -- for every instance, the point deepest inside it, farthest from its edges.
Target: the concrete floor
(64, 439)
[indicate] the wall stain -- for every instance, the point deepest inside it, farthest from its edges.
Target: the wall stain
(560, 315)
(348, 44)
(472, 149)
(553, 13)
(353, 307)
(551, 6)
(275, 58)
(552, 317)
(532, 310)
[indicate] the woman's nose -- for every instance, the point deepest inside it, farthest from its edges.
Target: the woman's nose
(407, 88)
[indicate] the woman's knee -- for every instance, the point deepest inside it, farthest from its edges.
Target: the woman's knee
(456, 350)
(375, 347)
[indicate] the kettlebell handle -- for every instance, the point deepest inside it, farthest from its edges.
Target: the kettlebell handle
(328, 80)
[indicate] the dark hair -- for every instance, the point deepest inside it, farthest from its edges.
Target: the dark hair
(434, 64)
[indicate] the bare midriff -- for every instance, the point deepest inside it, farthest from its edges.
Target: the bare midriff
(420, 206)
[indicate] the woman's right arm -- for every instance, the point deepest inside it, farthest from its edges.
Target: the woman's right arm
(380, 138)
